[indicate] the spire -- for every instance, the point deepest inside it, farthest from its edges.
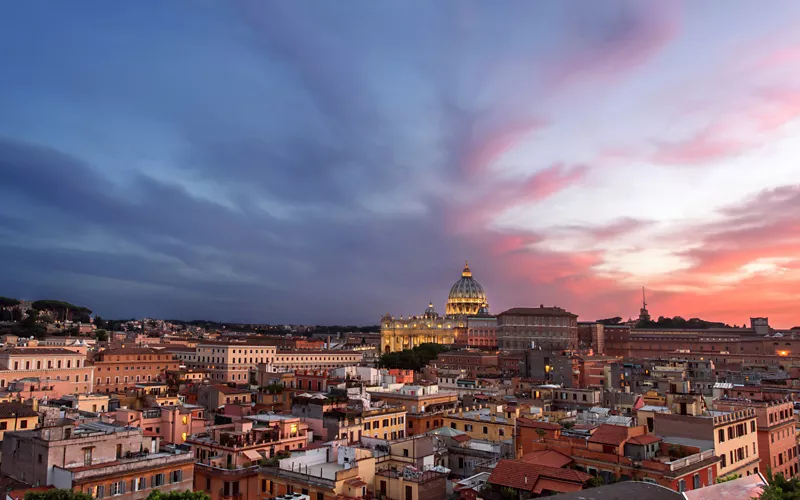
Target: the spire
(644, 302)
(466, 272)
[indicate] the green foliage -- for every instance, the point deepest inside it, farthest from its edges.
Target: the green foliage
(610, 321)
(178, 495)
(595, 482)
(273, 388)
(413, 359)
(680, 323)
(729, 477)
(101, 335)
(567, 424)
(56, 494)
(508, 493)
(779, 488)
(8, 302)
(59, 305)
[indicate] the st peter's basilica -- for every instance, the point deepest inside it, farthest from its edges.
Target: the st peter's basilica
(466, 300)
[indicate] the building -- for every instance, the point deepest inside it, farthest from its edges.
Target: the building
(409, 472)
(494, 423)
(56, 370)
(520, 328)
(775, 429)
(591, 336)
(215, 396)
(615, 453)
(231, 361)
(228, 456)
(531, 480)
(731, 435)
(469, 362)
(320, 473)
(96, 458)
(426, 405)
(398, 334)
(466, 299)
(315, 360)
(482, 331)
(173, 424)
(119, 370)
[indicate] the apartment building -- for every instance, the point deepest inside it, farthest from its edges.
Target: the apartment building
(315, 360)
(426, 405)
(775, 428)
(231, 361)
(228, 455)
(119, 370)
(320, 473)
(96, 458)
(173, 424)
(468, 362)
(58, 370)
(494, 423)
(731, 435)
(616, 452)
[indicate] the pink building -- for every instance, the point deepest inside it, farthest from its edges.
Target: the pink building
(174, 424)
(45, 371)
(481, 332)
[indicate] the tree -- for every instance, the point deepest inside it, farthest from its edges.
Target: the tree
(56, 494)
(540, 433)
(101, 335)
(178, 495)
(610, 321)
(725, 479)
(595, 482)
(779, 488)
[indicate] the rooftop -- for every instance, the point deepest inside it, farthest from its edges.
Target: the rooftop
(537, 311)
(625, 491)
(743, 488)
(12, 410)
(522, 475)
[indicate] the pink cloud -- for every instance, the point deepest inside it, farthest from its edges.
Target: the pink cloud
(550, 181)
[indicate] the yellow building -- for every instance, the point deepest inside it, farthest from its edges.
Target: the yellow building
(493, 423)
(17, 416)
(466, 298)
(384, 423)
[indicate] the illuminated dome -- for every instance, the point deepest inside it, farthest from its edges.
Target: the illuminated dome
(466, 296)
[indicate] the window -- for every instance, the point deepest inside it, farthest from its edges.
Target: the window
(139, 484)
(23, 424)
(752, 426)
(724, 457)
(485, 430)
(158, 480)
(118, 488)
(696, 481)
(176, 476)
(208, 484)
(681, 486)
(721, 435)
(87, 456)
(101, 490)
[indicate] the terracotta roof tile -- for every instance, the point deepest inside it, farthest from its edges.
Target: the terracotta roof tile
(644, 440)
(614, 435)
(521, 475)
(548, 458)
(9, 410)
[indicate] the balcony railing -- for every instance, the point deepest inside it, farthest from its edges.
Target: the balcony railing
(229, 496)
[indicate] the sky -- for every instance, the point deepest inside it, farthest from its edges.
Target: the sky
(327, 162)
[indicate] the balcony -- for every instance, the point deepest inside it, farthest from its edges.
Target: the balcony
(229, 495)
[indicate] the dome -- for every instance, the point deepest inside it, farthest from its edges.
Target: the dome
(430, 312)
(466, 295)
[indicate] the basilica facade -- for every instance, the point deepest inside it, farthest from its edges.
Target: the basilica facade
(466, 301)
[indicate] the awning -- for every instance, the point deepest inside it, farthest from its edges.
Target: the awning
(252, 455)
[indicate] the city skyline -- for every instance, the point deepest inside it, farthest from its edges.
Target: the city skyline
(267, 162)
